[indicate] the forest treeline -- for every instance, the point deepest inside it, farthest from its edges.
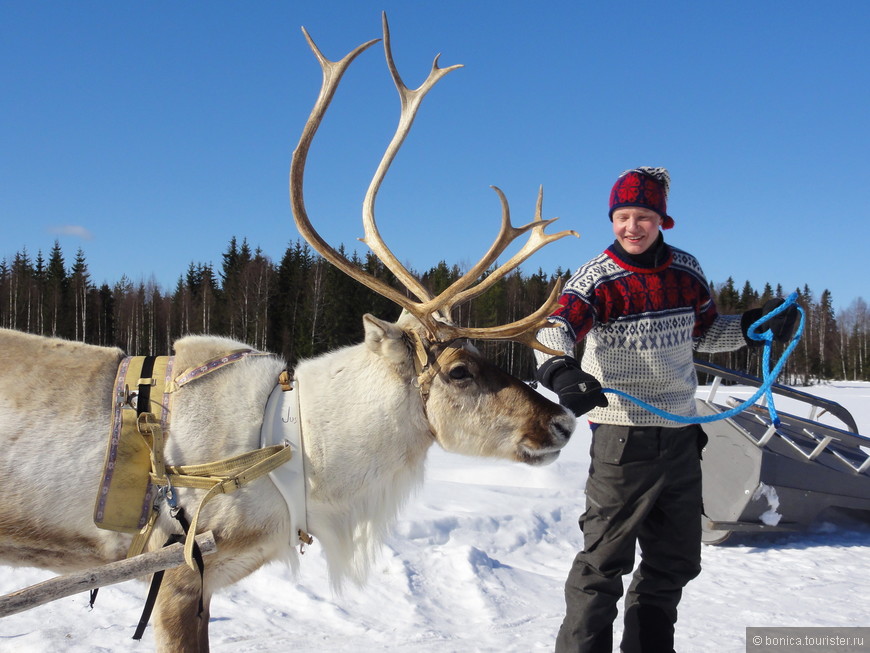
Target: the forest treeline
(302, 306)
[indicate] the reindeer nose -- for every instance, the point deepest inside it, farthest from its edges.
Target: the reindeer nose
(562, 426)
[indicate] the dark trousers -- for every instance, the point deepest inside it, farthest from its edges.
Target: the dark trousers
(644, 488)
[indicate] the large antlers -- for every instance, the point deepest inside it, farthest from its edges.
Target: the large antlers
(433, 312)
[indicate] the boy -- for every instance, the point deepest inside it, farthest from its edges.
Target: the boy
(643, 308)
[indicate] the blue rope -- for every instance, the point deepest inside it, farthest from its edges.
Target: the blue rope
(769, 375)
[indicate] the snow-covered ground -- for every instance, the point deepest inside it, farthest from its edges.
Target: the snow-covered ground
(476, 563)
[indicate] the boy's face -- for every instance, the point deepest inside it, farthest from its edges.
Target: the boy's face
(636, 228)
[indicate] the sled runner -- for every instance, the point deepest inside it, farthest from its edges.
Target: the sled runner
(760, 478)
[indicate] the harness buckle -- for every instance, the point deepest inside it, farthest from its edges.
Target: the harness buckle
(127, 398)
(167, 493)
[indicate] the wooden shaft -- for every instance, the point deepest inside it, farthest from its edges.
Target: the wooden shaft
(109, 574)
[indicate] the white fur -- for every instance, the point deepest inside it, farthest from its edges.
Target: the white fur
(364, 425)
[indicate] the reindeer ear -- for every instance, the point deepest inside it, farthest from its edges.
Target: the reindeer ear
(385, 339)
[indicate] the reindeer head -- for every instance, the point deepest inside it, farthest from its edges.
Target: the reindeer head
(472, 406)
(477, 409)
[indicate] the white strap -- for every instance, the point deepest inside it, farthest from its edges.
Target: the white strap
(282, 424)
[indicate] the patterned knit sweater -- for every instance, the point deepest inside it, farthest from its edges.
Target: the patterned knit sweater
(642, 322)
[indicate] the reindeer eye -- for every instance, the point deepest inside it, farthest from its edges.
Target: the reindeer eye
(459, 373)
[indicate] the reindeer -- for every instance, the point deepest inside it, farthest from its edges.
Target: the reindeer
(369, 413)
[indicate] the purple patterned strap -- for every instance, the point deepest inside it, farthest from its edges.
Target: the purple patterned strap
(194, 373)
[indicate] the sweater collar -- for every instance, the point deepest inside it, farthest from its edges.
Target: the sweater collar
(657, 257)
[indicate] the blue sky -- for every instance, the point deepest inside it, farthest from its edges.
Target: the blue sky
(149, 134)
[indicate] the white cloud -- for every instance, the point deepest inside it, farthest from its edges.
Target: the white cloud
(74, 230)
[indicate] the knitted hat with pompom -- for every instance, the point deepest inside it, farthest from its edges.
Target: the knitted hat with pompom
(644, 187)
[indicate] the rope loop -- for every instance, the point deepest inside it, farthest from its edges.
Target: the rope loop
(768, 379)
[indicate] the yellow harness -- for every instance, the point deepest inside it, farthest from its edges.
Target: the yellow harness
(126, 495)
(135, 471)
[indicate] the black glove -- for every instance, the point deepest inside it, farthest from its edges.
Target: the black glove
(782, 325)
(578, 391)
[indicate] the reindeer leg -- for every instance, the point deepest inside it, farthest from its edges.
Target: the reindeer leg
(203, 625)
(178, 625)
